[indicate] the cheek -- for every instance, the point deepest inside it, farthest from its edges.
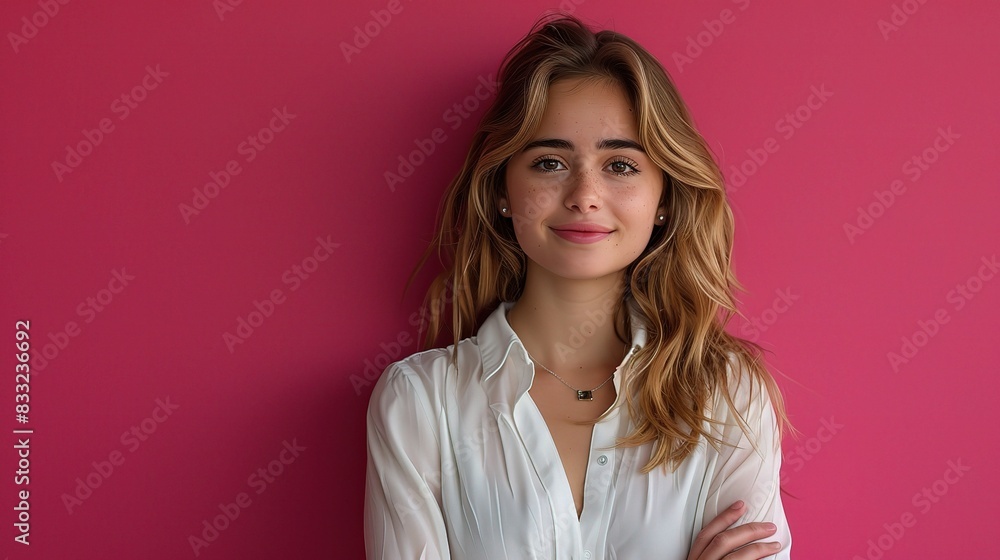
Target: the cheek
(532, 201)
(524, 208)
(641, 212)
(637, 205)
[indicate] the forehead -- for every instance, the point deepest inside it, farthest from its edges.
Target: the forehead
(587, 107)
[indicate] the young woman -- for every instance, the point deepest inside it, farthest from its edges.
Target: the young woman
(591, 406)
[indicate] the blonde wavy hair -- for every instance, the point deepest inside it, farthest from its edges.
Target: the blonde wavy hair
(682, 282)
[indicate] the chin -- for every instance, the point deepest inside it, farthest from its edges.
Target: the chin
(577, 271)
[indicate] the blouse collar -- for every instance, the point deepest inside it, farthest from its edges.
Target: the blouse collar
(499, 344)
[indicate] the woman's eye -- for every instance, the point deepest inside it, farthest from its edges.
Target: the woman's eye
(623, 168)
(547, 165)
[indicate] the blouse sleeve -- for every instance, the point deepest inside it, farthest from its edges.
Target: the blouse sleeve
(743, 472)
(403, 517)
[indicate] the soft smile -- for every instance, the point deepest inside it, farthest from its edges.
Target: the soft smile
(582, 232)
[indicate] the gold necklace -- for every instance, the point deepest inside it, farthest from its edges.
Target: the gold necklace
(581, 394)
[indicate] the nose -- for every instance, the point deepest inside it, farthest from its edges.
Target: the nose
(584, 193)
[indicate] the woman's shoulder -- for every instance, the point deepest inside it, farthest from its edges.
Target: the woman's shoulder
(746, 402)
(422, 375)
(747, 383)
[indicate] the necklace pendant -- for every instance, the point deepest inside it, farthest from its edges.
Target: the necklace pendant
(584, 395)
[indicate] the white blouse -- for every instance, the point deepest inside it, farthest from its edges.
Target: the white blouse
(462, 465)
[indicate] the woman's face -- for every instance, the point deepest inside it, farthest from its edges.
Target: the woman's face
(583, 170)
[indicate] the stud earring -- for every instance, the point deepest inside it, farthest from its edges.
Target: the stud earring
(661, 218)
(503, 210)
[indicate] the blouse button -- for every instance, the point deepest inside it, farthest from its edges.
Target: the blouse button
(586, 554)
(602, 460)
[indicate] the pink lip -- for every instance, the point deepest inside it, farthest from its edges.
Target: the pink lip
(582, 232)
(589, 227)
(582, 236)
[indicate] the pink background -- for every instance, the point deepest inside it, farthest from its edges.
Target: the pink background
(896, 459)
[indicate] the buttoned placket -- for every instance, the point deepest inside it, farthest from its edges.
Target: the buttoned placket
(544, 456)
(598, 488)
(602, 470)
(513, 406)
(583, 537)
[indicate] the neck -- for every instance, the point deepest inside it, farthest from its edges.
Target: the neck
(568, 325)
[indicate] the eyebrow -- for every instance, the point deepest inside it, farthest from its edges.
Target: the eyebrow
(602, 144)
